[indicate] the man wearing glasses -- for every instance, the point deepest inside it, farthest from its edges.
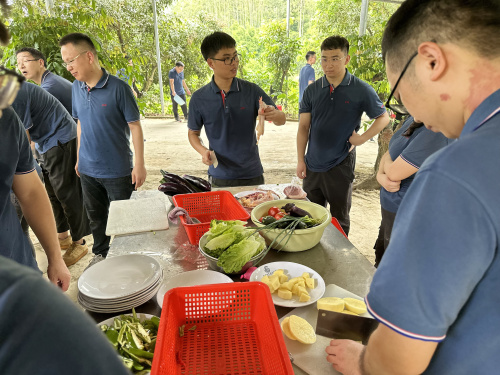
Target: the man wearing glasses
(436, 292)
(330, 116)
(227, 107)
(33, 65)
(107, 116)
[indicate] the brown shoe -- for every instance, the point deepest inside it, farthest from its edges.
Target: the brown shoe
(66, 243)
(75, 253)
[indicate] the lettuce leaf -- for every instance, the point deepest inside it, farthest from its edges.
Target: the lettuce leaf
(235, 257)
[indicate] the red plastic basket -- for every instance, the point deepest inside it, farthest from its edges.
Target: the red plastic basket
(237, 332)
(219, 205)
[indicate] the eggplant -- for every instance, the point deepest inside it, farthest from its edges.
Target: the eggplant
(173, 178)
(292, 210)
(171, 188)
(202, 184)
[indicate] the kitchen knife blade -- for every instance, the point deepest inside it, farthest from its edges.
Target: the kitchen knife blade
(343, 326)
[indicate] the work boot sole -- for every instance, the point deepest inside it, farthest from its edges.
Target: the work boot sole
(73, 261)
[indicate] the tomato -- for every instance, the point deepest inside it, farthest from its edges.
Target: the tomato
(279, 215)
(273, 211)
(261, 219)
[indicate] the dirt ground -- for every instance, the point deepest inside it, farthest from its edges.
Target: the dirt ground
(167, 148)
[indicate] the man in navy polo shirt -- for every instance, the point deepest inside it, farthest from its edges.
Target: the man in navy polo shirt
(53, 130)
(17, 173)
(436, 292)
(307, 75)
(227, 107)
(107, 115)
(177, 86)
(330, 116)
(33, 65)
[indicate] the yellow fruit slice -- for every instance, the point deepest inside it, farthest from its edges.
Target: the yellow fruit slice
(331, 304)
(348, 312)
(285, 326)
(302, 330)
(355, 305)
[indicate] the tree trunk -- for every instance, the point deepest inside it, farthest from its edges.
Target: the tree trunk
(149, 78)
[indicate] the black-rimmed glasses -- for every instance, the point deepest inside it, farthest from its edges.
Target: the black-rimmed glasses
(229, 60)
(399, 108)
(10, 82)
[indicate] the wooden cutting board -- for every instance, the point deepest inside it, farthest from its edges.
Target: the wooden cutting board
(312, 358)
(137, 216)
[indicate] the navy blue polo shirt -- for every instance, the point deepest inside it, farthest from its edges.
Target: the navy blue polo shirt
(306, 75)
(44, 117)
(15, 158)
(104, 112)
(59, 87)
(229, 121)
(439, 280)
(413, 150)
(178, 78)
(335, 114)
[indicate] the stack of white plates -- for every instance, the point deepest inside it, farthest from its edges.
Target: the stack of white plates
(119, 283)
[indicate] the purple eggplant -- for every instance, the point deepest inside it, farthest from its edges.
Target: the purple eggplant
(200, 183)
(292, 210)
(173, 178)
(171, 188)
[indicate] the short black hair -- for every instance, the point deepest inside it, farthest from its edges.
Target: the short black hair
(336, 42)
(179, 63)
(309, 54)
(214, 42)
(34, 52)
(471, 24)
(78, 39)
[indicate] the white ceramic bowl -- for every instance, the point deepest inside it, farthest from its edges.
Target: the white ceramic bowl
(301, 239)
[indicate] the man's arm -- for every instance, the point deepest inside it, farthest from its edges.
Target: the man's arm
(390, 185)
(36, 208)
(172, 86)
(376, 127)
(139, 171)
(387, 353)
(302, 139)
(78, 135)
(197, 143)
(185, 86)
(275, 115)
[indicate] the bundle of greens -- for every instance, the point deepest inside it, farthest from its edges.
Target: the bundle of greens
(134, 340)
(232, 244)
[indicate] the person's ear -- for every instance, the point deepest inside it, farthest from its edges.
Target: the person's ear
(347, 59)
(432, 59)
(210, 63)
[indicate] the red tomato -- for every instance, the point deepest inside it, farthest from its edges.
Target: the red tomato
(273, 211)
(261, 219)
(279, 215)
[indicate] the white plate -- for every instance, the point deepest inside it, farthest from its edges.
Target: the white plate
(110, 321)
(291, 270)
(119, 276)
(191, 278)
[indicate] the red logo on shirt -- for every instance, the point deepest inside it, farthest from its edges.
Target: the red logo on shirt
(242, 107)
(104, 105)
(347, 102)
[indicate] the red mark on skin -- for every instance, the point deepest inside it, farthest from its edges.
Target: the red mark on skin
(445, 97)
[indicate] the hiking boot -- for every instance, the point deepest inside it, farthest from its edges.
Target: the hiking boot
(65, 243)
(75, 253)
(96, 259)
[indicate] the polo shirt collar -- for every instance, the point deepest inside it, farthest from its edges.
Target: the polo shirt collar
(486, 110)
(102, 82)
(235, 86)
(44, 75)
(345, 82)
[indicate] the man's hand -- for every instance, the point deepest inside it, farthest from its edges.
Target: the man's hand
(138, 175)
(205, 158)
(344, 356)
(389, 185)
(188, 92)
(356, 140)
(59, 274)
(301, 169)
(174, 93)
(76, 169)
(275, 115)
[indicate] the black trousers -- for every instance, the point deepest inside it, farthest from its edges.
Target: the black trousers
(384, 234)
(335, 187)
(218, 183)
(183, 107)
(64, 189)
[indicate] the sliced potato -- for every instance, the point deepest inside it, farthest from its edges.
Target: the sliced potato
(285, 326)
(304, 297)
(278, 272)
(284, 293)
(283, 278)
(311, 283)
(302, 330)
(331, 304)
(355, 305)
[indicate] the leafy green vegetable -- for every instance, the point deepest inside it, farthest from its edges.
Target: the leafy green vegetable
(233, 259)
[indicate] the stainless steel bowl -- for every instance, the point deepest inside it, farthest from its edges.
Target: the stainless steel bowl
(212, 262)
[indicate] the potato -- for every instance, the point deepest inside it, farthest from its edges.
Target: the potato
(284, 293)
(283, 278)
(304, 297)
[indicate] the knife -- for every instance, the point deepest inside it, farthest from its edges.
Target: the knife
(343, 326)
